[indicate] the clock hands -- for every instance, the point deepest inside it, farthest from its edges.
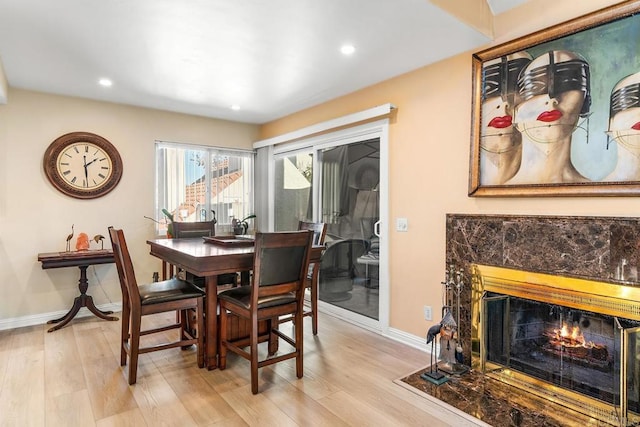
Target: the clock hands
(86, 169)
(86, 174)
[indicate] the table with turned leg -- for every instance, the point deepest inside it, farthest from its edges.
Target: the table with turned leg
(82, 260)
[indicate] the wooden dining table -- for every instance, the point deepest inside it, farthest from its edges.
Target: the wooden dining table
(209, 260)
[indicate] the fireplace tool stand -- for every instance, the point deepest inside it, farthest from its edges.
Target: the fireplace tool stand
(451, 352)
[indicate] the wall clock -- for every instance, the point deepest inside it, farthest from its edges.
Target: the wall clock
(83, 165)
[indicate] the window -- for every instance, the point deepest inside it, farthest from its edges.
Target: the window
(199, 183)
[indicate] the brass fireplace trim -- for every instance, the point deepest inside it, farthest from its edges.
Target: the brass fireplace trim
(589, 295)
(582, 404)
(606, 298)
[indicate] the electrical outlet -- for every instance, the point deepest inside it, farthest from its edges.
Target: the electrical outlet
(427, 313)
(402, 224)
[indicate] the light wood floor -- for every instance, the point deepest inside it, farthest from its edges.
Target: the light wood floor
(72, 377)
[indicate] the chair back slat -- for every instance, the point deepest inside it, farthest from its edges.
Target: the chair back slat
(279, 289)
(183, 230)
(126, 274)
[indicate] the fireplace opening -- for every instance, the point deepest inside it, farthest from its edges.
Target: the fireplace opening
(577, 350)
(571, 341)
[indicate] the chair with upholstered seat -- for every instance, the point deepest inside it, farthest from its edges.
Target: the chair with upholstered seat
(280, 266)
(156, 297)
(319, 231)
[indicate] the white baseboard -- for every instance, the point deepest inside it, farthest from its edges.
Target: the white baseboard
(411, 340)
(391, 333)
(408, 339)
(40, 319)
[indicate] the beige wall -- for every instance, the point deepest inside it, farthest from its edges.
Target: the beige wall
(34, 217)
(429, 152)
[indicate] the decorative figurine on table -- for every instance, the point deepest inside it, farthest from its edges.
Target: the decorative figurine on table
(82, 244)
(69, 237)
(99, 238)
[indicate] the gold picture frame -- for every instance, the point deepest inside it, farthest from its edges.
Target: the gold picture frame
(553, 111)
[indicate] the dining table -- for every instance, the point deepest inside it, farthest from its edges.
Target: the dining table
(208, 258)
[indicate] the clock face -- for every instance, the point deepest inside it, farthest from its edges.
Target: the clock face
(83, 165)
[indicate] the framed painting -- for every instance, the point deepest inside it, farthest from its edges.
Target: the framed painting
(557, 112)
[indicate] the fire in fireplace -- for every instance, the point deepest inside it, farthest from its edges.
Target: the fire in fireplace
(569, 343)
(568, 340)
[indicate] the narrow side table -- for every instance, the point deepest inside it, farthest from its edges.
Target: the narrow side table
(82, 260)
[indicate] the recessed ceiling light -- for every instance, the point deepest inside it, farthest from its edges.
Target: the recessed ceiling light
(105, 82)
(348, 49)
(235, 107)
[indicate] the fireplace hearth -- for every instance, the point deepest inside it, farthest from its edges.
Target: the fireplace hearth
(571, 341)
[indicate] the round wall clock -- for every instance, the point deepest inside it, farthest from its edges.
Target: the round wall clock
(82, 165)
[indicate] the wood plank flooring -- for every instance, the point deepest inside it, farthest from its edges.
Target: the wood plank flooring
(72, 377)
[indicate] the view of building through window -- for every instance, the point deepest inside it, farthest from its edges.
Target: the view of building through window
(198, 183)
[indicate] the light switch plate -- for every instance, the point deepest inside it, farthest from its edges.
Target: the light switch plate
(402, 224)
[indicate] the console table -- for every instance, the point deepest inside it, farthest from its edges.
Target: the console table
(82, 260)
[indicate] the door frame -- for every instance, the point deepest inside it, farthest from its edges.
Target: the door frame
(377, 129)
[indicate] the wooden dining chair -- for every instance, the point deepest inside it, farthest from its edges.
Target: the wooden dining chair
(280, 265)
(182, 230)
(155, 297)
(319, 231)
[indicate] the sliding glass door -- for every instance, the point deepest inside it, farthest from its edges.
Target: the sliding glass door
(349, 204)
(339, 181)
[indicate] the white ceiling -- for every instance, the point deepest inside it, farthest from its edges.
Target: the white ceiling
(272, 58)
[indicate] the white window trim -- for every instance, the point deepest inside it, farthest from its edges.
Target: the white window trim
(350, 119)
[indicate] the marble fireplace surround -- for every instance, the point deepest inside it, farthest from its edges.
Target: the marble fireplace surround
(603, 249)
(576, 246)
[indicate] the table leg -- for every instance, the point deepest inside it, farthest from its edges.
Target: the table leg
(211, 318)
(83, 300)
(167, 270)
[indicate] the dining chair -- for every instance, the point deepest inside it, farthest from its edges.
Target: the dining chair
(319, 231)
(155, 297)
(280, 266)
(182, 230)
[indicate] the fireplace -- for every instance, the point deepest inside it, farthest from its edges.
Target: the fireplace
(575, 342)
